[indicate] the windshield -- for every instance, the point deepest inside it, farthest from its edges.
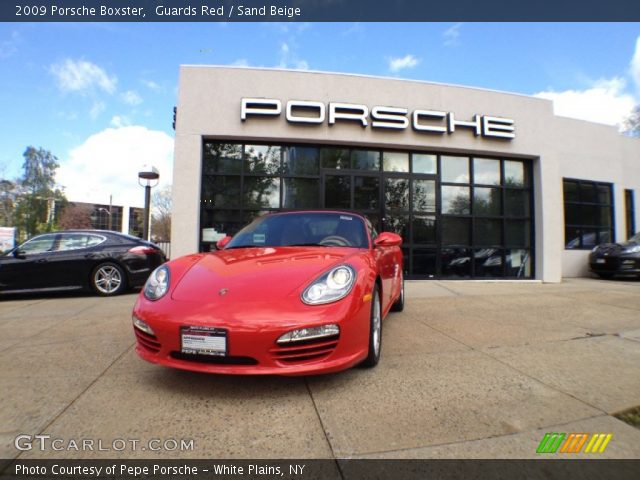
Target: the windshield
(635, 238)
(302, 229)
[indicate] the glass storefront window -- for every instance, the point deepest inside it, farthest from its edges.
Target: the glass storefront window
(425, 262)
(262, 159)
(424, 195)
(397, 224)
(454, 169)
(516, 203)
(222, 158)
(301, 161)
(517, 233)
(261, 192)
(365, 160)
(588, 213)
(300, 193)
(366, 193)
(487, 201)
(337, 191)
(486, 171)
(425, 163)
(518, 263)
(455, 200)
(487, 231)
(220, 191)
(336, 158)
(395, 162)
(396, 193)
(514, 173)
(487, 262)
(424, 229)
(455, 231)
(456, 262)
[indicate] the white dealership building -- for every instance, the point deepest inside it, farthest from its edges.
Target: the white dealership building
(480, 184)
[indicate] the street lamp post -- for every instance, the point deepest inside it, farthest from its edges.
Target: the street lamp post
(148, 178)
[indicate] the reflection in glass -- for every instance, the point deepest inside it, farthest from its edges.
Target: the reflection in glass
(455, 200)
(514, 175)
(301, 160)
(604, 194)
(424, 163)
(487, 262)
(486, 171)
(262, 159)
(337, 158)
(571, 191)
(486, 201)
(571, 237)
(424, 229)
(366, 193)
(222, 157)
(395, 161)
(397, 224)
(261, 192)
(424, 195)
(487, 231)
(516, 203)
(365, 159)
(396, 193)
(424, 262)
(220, 191)
(456, 262)
(455, 231)
(454, 169)
(518, 233)
(518, 263)
(301, 193)
(337, 191)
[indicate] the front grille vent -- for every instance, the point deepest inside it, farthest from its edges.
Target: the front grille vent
(305, 351)
(150, 342)
(213, 359)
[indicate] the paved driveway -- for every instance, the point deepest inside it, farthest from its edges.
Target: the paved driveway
(469, 370)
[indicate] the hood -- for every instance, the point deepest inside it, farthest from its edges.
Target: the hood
(257, 274)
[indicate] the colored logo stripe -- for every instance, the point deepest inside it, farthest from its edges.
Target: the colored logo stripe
(550, 442)
(574, 443)
(598, 443)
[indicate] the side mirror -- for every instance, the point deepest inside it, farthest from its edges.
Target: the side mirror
(223, 242)
(388, 239)
(19, 253)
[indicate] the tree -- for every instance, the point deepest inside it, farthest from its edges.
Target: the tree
(161, 214)
(75, 216)
(38, 204)
(631, 125)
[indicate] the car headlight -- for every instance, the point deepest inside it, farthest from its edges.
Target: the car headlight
(595, 248)
(330, 286)
(157, 284)
(311, 333)
(634, 249)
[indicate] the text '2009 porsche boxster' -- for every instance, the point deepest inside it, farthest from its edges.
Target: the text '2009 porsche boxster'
(291, 294)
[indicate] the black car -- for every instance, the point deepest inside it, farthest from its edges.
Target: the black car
(609, 259)
(105, 261)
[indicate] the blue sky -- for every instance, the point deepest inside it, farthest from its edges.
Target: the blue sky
(100, 96)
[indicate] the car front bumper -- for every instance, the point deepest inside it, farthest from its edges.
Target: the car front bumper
(614, 264)
(252, 331)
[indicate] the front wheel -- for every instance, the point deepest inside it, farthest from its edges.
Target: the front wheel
(605, 276)
(375, 331)
(108, 279)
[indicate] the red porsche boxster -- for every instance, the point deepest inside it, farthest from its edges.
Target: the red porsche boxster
(293, 293)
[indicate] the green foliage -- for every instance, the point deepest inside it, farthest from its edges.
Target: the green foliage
(39, 202)
(631, 125)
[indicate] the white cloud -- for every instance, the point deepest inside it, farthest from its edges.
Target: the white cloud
(288, 59)
(82, 76)
(401, 63)
(96, 109)
(604, 102)
(151, 85)
(118, 121)
(107, 163)
(131, 98)
(241, 62)
(635, 64)
(452, 35)
(9, 46)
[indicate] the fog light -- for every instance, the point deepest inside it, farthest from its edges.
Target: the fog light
(310, 333)
(139, 324)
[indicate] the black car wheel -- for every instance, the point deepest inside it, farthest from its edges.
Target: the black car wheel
(375, 331)
(398, 306)
(605, 276)
(108, 279)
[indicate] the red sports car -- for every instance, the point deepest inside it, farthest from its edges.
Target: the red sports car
(291, 294)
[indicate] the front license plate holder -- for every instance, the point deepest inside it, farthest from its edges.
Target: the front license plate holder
(204, 341)
(600, 260)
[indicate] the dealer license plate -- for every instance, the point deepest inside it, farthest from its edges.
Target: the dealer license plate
(204, 340)
(600, 260)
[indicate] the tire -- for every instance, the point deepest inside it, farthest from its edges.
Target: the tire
(605, 276)
(375, 331)
(398, 306)
(108, 279)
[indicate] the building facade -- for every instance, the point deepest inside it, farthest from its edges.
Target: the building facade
(480, 184)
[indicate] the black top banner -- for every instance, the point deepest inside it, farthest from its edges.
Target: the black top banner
(318, 10)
